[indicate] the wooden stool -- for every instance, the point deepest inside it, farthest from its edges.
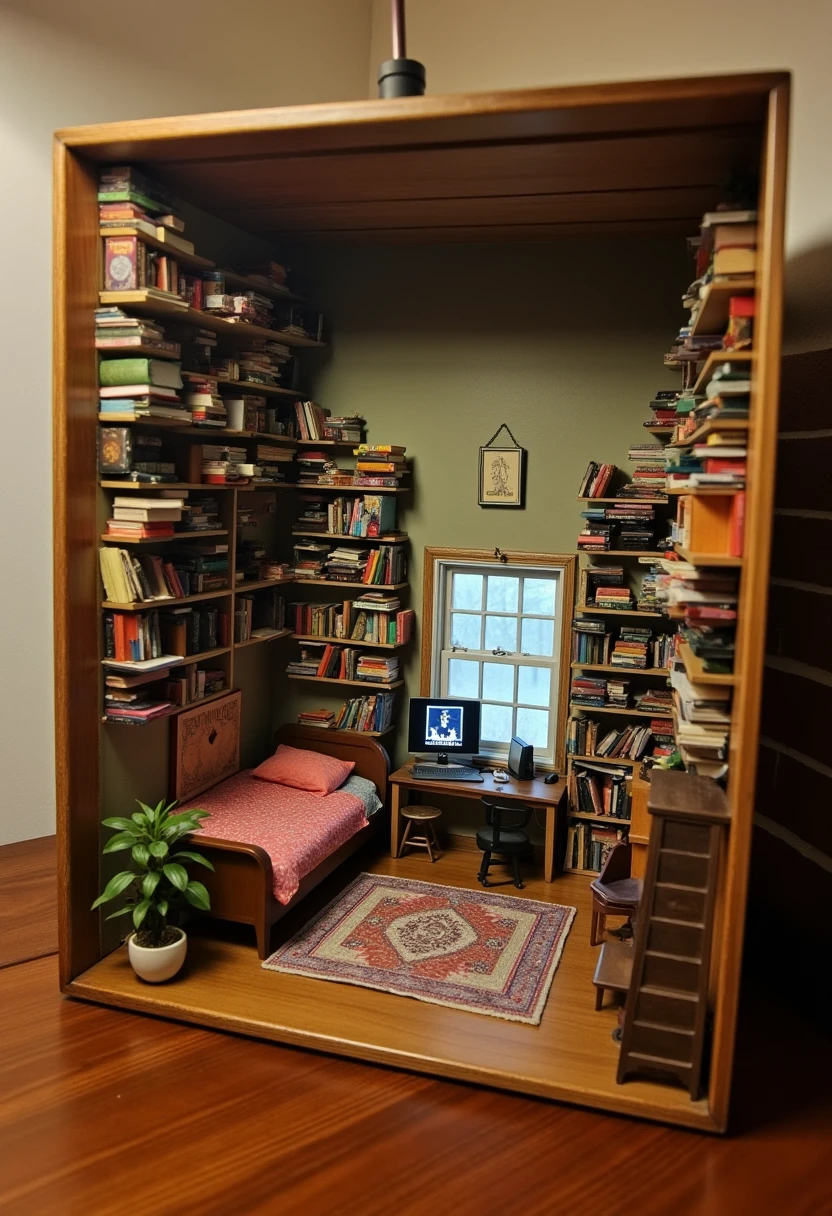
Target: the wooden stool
(423, 815)
(614, 970)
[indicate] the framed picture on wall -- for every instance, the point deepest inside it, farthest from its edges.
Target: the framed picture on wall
(502, 474)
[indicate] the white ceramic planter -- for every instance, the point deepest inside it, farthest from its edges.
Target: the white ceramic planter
(159, 964)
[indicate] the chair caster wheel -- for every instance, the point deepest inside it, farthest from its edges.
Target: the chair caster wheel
(484, 882)
(521, 886)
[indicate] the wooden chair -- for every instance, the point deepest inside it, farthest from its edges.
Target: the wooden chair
(614, 891)
(504, 837)
(424, 815)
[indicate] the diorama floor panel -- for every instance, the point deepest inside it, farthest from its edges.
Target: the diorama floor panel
(569, 1057)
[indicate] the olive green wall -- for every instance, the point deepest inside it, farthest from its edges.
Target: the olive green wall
(437, 346)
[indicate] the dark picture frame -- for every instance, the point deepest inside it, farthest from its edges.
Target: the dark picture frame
(502, 476)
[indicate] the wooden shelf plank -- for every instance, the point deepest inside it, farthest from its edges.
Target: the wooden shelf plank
(714, 359)
(243, 282)
(611, 819)
(306, 488)
(657, 553)
(133, 352)
(155, 242)
(261, 583)
(609, 709)
(271, 637)
(629, 502)
(630, 671)
(170, 601)
(159, 485)
(329, 443)
(325, 582)
(160, 540)
(707, 491)
(398, 538)
(352, 642)
(710, 427)
(171, 713)
(149, 305)
(369, 686)
(709, 559)
(696, 672)
(592, 611)
(607, 760)
(241, 387)
(366, 734)
(188, 660)
(713, 310)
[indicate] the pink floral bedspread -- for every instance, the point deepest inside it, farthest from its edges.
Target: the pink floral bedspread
(298, 830)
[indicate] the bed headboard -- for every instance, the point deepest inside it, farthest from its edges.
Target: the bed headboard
(371, 760)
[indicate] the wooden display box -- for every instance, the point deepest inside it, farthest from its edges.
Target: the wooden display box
(625, 160)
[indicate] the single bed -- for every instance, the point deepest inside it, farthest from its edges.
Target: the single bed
(271, 845)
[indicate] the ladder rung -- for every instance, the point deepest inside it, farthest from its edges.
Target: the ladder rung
(671, 994)
(678, 958)
(684, 853)
(668, 920)
(658, 1062)
(677, 886)
(665, 1029)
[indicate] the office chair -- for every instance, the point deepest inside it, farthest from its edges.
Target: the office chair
(503, 837)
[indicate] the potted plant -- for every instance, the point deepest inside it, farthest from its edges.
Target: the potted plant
(158, 884)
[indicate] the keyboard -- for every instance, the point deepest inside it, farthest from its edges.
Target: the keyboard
(445, 772)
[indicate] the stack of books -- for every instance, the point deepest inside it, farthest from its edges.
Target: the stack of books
(589, 690)
(373, 713)
(314, 515)
(614, 597)
(347, 564)
(593, 577)
(377, 669)
(590, 642)
(648, 592)
(312, 465)
(703, 719)
(663, 406)
(115, 330)
(595, 537)
(323, 718)
(206, 406)
(655, 701)
(204, 565)
(595, 480)
(618, 693)
(140, 388)
(664, 741)
(223, 463)
(271, 275)
(201, 514)
(630, 648)
(377, 601)
(344, 428)
(309, 559)
(308, 662)
(144, 518)
(272, 462)
(650, 468)
(382, 464)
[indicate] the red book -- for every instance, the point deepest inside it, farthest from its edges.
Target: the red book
(737, 525)
(322, 666)
(725, 464)
(118, 636)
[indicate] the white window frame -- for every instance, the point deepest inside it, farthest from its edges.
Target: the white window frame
(442, 651)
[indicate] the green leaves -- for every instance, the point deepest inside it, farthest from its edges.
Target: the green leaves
(197, 857)
(176, 874)
(141, 855)
(122, 840)
(196, 894)
(150, 882)
(115, 887)
(161, 879)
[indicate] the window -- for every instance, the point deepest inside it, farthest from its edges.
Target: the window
(496, 636)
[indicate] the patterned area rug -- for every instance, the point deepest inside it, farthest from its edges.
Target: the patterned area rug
(492, 954)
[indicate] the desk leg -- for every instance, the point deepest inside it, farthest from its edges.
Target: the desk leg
(549, 846)
(395, 819)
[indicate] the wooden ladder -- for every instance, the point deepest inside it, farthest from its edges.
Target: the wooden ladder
(665, 1014)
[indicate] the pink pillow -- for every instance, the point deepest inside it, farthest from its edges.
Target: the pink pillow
(304, 770)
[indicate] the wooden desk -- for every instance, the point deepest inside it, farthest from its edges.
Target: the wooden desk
(536, 793)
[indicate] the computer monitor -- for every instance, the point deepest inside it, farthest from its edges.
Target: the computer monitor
(446, 727)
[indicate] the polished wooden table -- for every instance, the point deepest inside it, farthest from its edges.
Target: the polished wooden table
(535, 793)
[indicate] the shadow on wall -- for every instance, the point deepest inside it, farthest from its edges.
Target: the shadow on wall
(807, 317)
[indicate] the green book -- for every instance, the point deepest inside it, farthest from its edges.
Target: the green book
(132, 196)
(162, 372)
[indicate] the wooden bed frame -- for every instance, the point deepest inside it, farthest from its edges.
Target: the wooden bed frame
(241, 885)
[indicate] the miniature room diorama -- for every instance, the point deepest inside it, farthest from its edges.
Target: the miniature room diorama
(414, 470)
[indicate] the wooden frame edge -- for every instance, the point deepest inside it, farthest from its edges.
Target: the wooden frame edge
(510, 557)
(745, 727)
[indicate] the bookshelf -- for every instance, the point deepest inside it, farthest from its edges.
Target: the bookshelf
(148, 304)
(537, 143)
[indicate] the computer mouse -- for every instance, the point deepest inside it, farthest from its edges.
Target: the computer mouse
(552, 779)
(500, 778)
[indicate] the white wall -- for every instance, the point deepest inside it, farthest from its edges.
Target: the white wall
(473, 45)
(63, 64)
